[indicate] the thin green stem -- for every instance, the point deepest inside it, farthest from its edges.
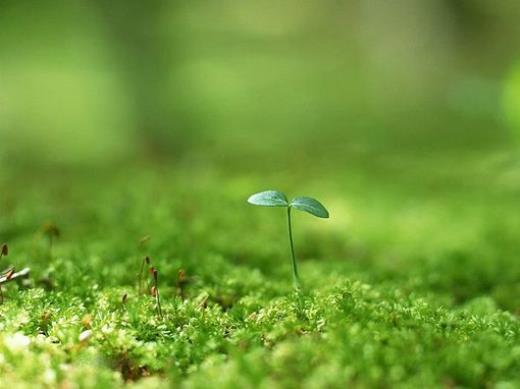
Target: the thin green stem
(296, 278)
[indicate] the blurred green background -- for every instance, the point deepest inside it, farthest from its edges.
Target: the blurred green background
(97, 82)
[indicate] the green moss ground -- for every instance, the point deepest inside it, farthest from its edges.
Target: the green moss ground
(413, 282)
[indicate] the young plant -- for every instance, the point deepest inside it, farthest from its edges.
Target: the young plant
(274, 198)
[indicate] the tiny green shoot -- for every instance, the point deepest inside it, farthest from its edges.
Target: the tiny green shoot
(274, 198)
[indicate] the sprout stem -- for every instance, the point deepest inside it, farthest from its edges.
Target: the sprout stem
(296, 278)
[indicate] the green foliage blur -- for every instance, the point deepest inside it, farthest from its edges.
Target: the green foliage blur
(97, 82)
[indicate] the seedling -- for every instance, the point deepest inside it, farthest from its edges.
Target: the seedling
(274, 198)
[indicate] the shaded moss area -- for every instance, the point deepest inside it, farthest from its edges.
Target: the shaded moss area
(412, 282)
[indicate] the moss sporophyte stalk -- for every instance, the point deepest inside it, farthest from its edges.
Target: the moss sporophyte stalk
(274, 198)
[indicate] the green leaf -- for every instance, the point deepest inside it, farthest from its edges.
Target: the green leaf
(269, 198)
(310, 205)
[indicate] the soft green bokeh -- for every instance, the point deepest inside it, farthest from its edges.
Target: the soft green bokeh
(91, 82)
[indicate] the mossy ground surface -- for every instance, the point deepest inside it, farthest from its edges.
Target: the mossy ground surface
(413, 282)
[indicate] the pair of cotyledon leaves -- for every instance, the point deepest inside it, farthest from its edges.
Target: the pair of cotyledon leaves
(274, 198)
